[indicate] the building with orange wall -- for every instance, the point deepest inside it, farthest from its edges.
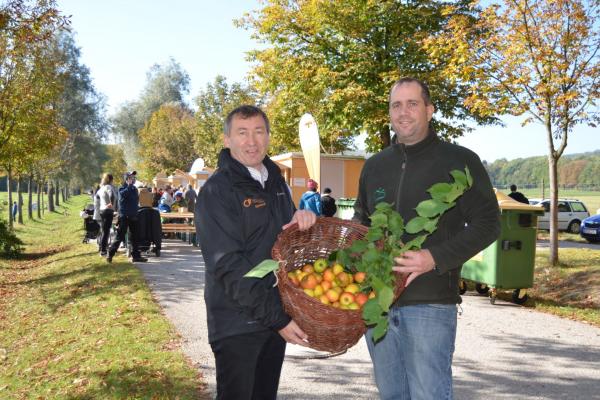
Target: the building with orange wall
(339, 172)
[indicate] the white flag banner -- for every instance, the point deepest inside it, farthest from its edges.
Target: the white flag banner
(311, 146)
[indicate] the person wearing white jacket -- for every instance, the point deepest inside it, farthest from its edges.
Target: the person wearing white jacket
(106, 200)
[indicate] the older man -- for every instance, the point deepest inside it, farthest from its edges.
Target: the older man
(239, 213)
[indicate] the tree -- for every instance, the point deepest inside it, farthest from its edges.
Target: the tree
(28, 81)
(115, 163)
(338, 60)
(214, 103)
(166, 142)
(164, 84)
(538, 58)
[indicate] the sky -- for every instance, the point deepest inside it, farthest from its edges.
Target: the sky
(121, 39)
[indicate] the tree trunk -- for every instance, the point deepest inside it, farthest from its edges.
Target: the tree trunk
(50, 196)
(384, 136)
(63, 193)
(56, 193)
(30, 197)
(10, 201)
(40, 198)
(20, 199)
(552, 172)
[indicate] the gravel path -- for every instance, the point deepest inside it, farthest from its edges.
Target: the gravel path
(503, 351)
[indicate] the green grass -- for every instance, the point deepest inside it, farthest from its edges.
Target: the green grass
(74, 327)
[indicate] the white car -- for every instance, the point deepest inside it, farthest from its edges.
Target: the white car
(570, 214)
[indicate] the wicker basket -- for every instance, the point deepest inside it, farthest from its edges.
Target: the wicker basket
(328, 328)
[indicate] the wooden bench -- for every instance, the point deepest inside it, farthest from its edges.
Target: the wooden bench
(185, 228)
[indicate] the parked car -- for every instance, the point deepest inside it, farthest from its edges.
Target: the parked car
(590, 229)
(570, 214)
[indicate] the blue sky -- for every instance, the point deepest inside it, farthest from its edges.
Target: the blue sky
(121, 39)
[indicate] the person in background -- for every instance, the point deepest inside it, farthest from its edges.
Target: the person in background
(179, 202)
(328, 203)
(15, 210)
(167, 197)
(155, 196)
(517, 196)
(107, 205)
(128, 208)
(414, 358)
(311, 199)
(240, 211)
(190, 198)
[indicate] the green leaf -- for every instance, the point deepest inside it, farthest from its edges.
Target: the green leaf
(396, 224)
(371, 312)
(459, 177)
(416, 224)
(374, 234)
(455, 193)
(343, 257)
(469, 177)
(358, 246)
(383, 206)
(440, 191)
(262, 269)
(380, 329)
(431, 208)
(416, 243)
(378, 220)
(431, 226)
(385, 297)
(371, 256)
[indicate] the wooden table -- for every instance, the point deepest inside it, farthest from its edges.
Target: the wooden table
(177, 227)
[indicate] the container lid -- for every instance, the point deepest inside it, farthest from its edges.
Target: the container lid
(507, 203)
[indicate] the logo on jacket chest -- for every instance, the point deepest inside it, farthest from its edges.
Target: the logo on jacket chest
(254, 202)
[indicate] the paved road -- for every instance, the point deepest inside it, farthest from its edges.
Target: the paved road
(502, 352)
(567, 244)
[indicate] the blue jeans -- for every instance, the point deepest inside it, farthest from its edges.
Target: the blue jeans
(413, 361)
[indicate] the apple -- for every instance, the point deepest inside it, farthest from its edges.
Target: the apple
(353, 306)
(308, 268)
(359, 277)
(328, 275)
(361, 298)
(336, 304)
(319, 291)
(352, 288)
(372, 295)
(343, 279)
(326, 285)
(321, 264)
(309, 282)
(309, 292)
(324, 299)
(332, 295)
(346, 299)
(337, 268)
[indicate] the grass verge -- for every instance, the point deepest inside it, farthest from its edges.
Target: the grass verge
(74, 327)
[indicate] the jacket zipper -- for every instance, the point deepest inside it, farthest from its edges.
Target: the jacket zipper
(401, 180)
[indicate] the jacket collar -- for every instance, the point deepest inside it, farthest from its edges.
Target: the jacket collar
(429, 141)
(240, 174)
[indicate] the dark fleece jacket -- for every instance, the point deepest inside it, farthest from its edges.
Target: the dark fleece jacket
(400, 175)
(237, 222)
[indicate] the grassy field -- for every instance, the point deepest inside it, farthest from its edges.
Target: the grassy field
(74, 327)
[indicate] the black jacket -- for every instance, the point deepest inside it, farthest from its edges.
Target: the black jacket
(149, 227)
(401, 175)
(328, 206)
(129, 199)
(237, 222)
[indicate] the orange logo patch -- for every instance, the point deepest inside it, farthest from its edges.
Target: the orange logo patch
(258, 203)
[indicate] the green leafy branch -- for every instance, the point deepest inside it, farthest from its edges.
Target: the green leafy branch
(375, 254)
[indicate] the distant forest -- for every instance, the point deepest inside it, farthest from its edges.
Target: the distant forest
(575, 171)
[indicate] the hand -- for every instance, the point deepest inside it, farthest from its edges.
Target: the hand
(414, 263)
(304, 218)
(293, 334)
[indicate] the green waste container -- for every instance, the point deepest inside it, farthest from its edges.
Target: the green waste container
(345, 208)
(508, 263)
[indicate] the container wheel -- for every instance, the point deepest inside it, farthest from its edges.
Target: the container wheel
(493, 293)
(519, 296)
(482, 288)
(462, 286)
(492, 300)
